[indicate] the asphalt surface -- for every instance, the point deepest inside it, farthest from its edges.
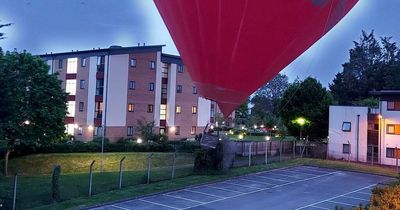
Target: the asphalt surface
(301, 187)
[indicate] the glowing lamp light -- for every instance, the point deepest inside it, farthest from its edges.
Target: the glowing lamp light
(262, 126)
(380, 116)
(139, 141)
(27, 122)
(90, 127)
(242, 127)
(267, 138)
(301, 121)
(75, 126)
(212, 127)
(240, 136)
(255, 126)
(172, 129)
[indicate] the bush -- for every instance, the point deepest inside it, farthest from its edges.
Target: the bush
(386, 198)
(209, 160)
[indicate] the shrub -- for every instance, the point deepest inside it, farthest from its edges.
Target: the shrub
(209, 160)
(385, 198)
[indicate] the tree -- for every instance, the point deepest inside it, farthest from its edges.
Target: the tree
(307, 99)
(242, 114)
(32, 105)
(145, 129)
(1, 26)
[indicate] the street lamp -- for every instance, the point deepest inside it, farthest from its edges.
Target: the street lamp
(240, 136)
(27, 122)
(301, 121)
(139, 141)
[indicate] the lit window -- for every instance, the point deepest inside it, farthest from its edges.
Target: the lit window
(194, 90)
(71, 108)
(390, 152)
(70, 86)
(70, 129)
(346, 148)
(83, 62)
(180, 68)
(60, 63)
(179, 88)
(346, 126)
(150, 108)
(163, 112)
(393, 129)
(178, 109)
(131, 107)
(130, 131)
(80, 130)
(72, 65)
(177, 130)
(162, 130)
(152, 65)
(194, 109)
(132, 85)
(132, 62)
(81, 106)
(82, 84)
(151, 86)
(193, 130)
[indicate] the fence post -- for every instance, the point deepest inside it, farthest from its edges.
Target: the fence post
(91, 178)
(266, 153)
(294, 148)
(250, 153)
(149, 167)
(173, 165)
(397, 159)
(120, 172)
(372, 159)
(15, 192)
(280, 151)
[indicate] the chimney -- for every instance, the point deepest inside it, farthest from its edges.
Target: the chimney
(144, 43)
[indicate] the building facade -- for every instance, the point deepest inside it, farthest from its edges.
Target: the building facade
(112, 89)
(367, 134)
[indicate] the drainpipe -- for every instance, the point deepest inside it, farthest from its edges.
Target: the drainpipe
(358, 136)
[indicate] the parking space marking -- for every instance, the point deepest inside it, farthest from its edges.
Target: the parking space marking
(227, 182)
(256, 181)
(286, 176)
(341, 203)
(118, 207)
(362, 199)
(281, 180)
(234, 191)
(314, 169)
(188, 199)
(159, 204)
(301, 172)
(202, 193)
(319, 207)
(329, 199)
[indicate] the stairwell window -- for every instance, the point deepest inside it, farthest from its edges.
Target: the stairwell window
(152, 65)
(130, 131)
(132, 62)
(346, 126)
(131, 107)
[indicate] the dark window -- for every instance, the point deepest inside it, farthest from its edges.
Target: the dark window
(99, 87)
(131, 107)
(180, 68)
(194, 90)
(177, 130)
(150, 108)
(60, 63)
(151, 86)
(82, 84)
(132, 62)
(132, 85)
(130, 131)
(83, 62)
(81, 106)
(101, 60)
(346, 126)
(179, 88)
(393, 105)
(152, 65)
(98, 109)
(390, 152)
(346, 148)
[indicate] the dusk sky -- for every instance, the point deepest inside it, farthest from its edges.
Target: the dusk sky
(63, 25)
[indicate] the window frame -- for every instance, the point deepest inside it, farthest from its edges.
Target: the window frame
(131, 107)
(348, 149)
(129, 131)
(81, 106)
(179, 89)
(194, 109)
(193, 130)
(393, 152)
(83, 62)
(132, 62)
(177, 130)
(60, 63)
(130, 86)
(151, 86)
(343, 128)
(82, 84)
(150, 108)
(180, 68)
(194, 90)
(152, 65)
(178, 109)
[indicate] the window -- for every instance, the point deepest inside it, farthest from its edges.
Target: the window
(132, 62)
(393, 105)
(97, 131)
(194, 90)
(346, 126)
(60, 63)
(150, 108)
(131, 107)
(132, 85)
(83, 62)
(151, 86)
(163, 112)
(393, 129)
(101, 60)
(152, 65)
(130, 131)
(70, 129)
(82, 84)
(71, 109)
(99, 87)
(390, 153)
(98, 113)
(80, 130)
(81, 106)
(193, 130)
(70, 86)
(72, 65)
(179, 88)
(177, 130)
(178, 109)
(346, 148)
(162, 130)
(194, 109)
(180, 68)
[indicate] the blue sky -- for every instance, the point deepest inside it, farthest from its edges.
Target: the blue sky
(42, 26)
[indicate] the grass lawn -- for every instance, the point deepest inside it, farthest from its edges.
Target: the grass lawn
(260, 138)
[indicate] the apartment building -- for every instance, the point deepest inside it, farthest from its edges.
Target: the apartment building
(111, 89)
(367, 134)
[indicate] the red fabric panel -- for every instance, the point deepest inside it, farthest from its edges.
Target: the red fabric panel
(233, 47)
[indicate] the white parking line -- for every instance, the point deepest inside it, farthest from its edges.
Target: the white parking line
(285, 175)
(312, 169)
(341, 203)
(319, 207)
(281, 180)
(234, 191)
(249, 180)
(119, 207)
(159, 204)
(301, 172)
(335, 197)
(355, 198)
(227, 182)
(198, 192)
(188, 199)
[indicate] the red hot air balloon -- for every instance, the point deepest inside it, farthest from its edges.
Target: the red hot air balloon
(233, 47)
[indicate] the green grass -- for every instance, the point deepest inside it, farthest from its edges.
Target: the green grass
(260, 138)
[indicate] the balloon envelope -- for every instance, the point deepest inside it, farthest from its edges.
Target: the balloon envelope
(233, 47)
